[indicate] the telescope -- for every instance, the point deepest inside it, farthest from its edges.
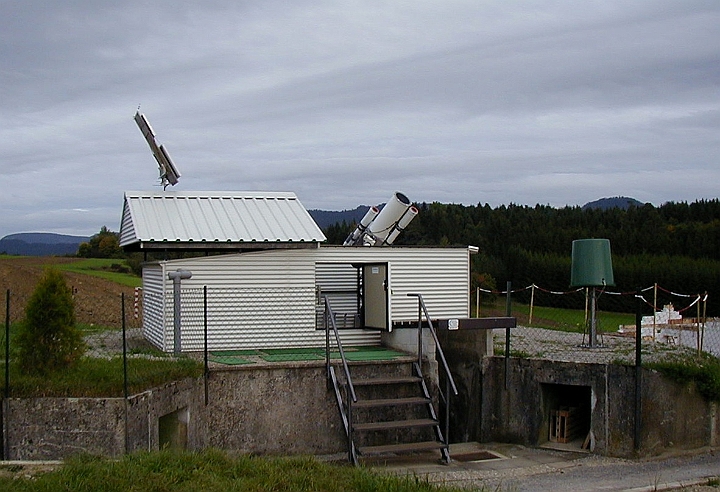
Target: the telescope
(382, 227)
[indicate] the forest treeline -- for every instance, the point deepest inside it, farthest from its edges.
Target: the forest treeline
(676, 245)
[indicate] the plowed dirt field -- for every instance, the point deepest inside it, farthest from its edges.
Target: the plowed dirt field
(97, 301)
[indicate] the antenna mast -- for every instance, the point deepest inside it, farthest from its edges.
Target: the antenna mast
(169, 174)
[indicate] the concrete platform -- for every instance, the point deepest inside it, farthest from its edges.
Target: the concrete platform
(500, 467)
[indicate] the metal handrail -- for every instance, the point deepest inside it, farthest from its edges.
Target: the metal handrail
(423, 309)
(329, 314)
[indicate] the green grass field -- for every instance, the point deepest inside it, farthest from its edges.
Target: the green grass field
(104, 268)
(212, 471)
(560, 319)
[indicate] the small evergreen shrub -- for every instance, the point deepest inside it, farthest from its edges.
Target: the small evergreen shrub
(49, 339)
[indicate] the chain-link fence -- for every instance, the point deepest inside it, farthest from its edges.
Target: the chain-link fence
(224, 319)
(117, 360)
(599, 325)
(580, 325)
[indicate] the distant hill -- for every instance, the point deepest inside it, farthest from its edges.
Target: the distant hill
(40, 244)
(621, 202)
(325, 218)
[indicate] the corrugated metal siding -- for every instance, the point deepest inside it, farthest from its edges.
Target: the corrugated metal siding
(268, 298)
(441, 275)
(261, 269)
(216, 217)
(251, 319)
(256, 299)
(155, 306)
(339, 283)
(127, 231)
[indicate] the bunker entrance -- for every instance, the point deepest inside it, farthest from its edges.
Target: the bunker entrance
(566, 416)
(173, 429)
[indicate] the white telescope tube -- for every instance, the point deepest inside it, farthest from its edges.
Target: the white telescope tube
(383, 224)
(410, 214)
(362, 226)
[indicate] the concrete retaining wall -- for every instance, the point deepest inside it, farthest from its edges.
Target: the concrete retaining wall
(279, 409)
(56, 428)
(287, 409)
(673, 415)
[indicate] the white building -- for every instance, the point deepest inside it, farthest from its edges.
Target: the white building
(269, 290)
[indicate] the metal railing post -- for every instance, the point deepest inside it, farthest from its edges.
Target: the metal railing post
(351, 455)
(447, 411)
(420, 348)
(431, 327)
(328, 310)
(327, 346)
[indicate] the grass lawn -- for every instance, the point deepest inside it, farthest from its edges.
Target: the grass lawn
(211, 471)
(560, 319)
(96, 378)
(104, 268)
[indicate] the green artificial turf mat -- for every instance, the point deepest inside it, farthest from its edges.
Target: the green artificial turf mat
(229, 360)
(223, 353)
(236, 357)
(294, 351)
(291, 357)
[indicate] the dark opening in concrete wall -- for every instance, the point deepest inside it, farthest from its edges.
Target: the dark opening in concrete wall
(567, 412)
(173, 429)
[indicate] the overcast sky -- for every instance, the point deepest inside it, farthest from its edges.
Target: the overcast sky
(480, 101)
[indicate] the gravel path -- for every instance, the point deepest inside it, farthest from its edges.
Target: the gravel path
(574, 347)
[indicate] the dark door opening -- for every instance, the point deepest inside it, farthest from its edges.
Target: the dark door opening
(566, 415)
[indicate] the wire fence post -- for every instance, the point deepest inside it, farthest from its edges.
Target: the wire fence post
(532, 304)
(125, 370)
(638, 371)
(206, 370)
(7, 344)
(6, 400)
(508, 312)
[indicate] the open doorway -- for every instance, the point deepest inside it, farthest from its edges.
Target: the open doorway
(359, 294)
(566, 416)
(173, 430)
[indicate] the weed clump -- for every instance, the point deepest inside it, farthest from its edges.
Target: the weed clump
(702, 370)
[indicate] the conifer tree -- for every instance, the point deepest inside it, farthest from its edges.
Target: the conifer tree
(49, 339)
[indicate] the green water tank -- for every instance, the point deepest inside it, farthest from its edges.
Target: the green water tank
(591, 263)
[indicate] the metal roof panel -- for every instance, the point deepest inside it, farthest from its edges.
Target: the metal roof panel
(211, 217)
